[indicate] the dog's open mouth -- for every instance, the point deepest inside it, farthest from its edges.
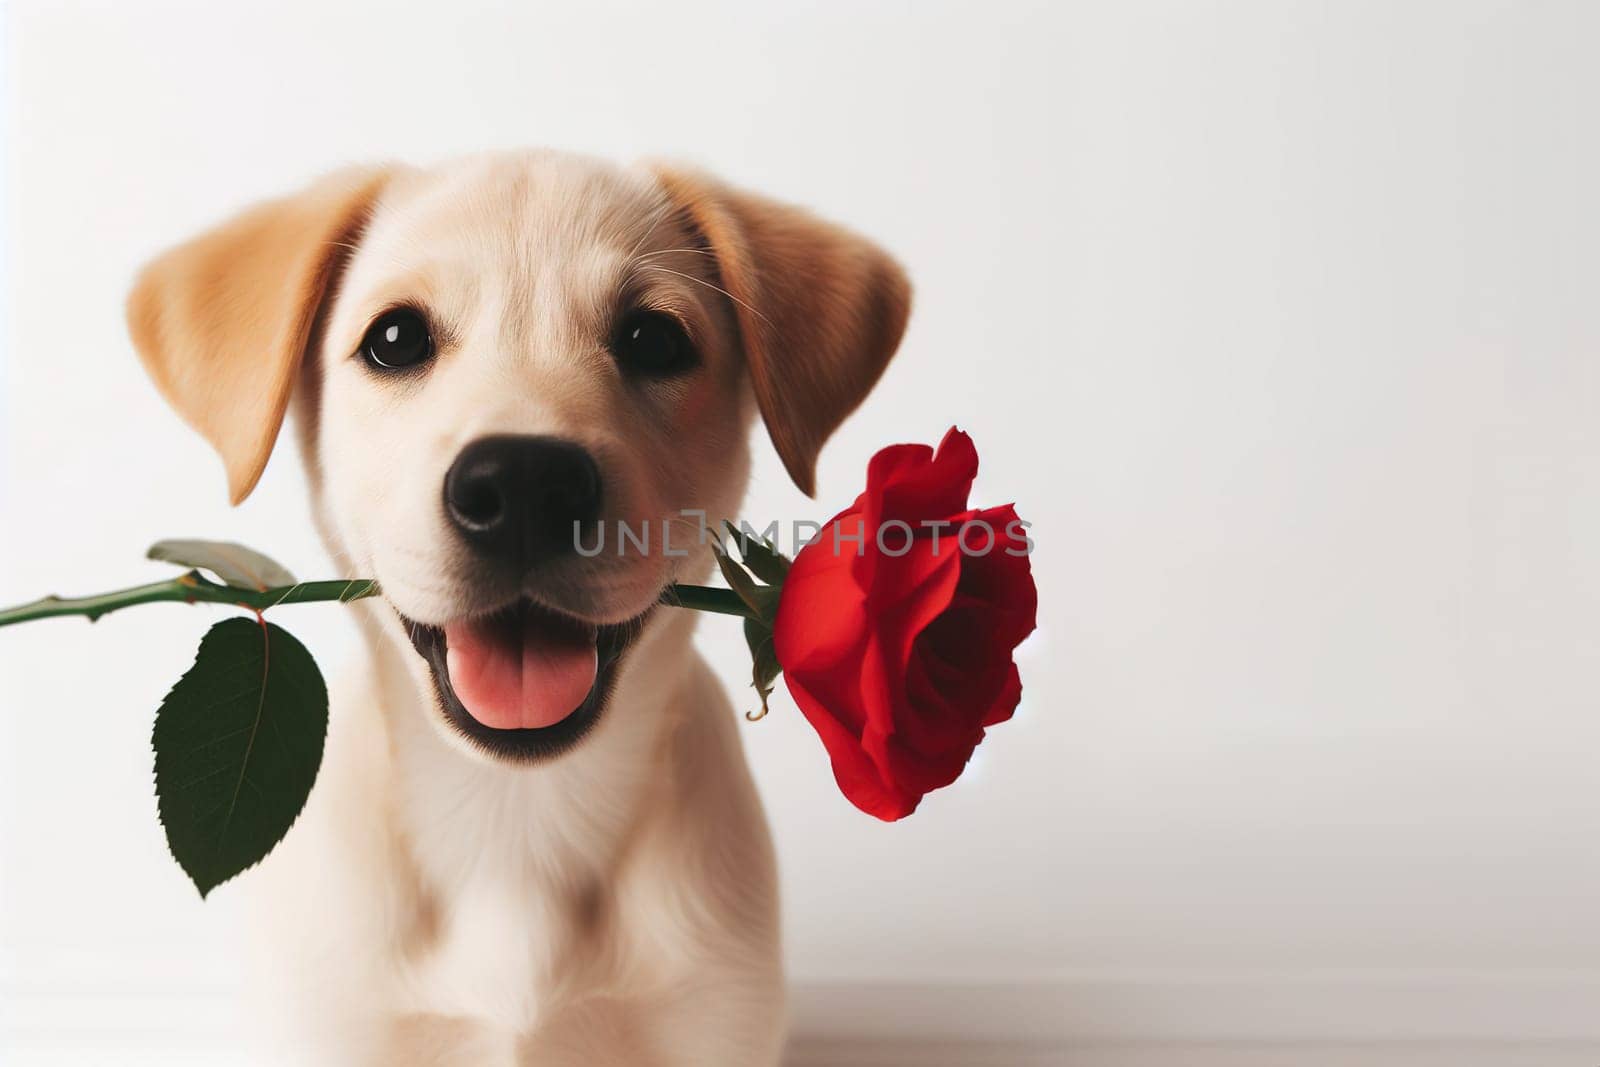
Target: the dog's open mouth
(526, 681)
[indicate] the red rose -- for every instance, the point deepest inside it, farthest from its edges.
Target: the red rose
(897, 643)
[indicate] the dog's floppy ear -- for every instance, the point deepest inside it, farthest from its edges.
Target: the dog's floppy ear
(820, 310)
(222, 322)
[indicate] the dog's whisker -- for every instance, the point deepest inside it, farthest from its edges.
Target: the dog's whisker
(666, 209)
(701, 281)
(671, 251)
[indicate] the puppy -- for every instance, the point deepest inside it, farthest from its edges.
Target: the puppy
(535, 839)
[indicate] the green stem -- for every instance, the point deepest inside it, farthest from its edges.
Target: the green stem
(195, 588)
(706, 598)
(190, 588)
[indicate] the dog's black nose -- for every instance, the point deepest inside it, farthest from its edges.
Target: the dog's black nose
(521, 499)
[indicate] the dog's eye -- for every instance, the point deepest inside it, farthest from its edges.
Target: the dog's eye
(397, 340)
(652, 344)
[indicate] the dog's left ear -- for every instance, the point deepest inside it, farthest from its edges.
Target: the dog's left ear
(222, 322)
(820, 310)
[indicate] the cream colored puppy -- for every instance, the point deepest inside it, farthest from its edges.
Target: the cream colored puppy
(535, 839)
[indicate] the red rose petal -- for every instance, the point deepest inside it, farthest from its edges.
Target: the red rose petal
(914, 482)
(1006, 703)
(822, 616)
(855, 773)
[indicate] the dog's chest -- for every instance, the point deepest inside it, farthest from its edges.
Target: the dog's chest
(499, 951)
(513, 931)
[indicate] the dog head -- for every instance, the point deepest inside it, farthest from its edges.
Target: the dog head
(507, 369)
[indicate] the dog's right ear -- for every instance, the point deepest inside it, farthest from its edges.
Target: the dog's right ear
(222, 322)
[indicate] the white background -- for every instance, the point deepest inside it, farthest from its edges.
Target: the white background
(1277, 320)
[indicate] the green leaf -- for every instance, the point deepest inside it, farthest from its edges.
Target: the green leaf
(233, 564)
(760, 555)
(238, 743)
(762, 599)
(764, 659)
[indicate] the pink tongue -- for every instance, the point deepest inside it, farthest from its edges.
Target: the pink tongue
(519, 680)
